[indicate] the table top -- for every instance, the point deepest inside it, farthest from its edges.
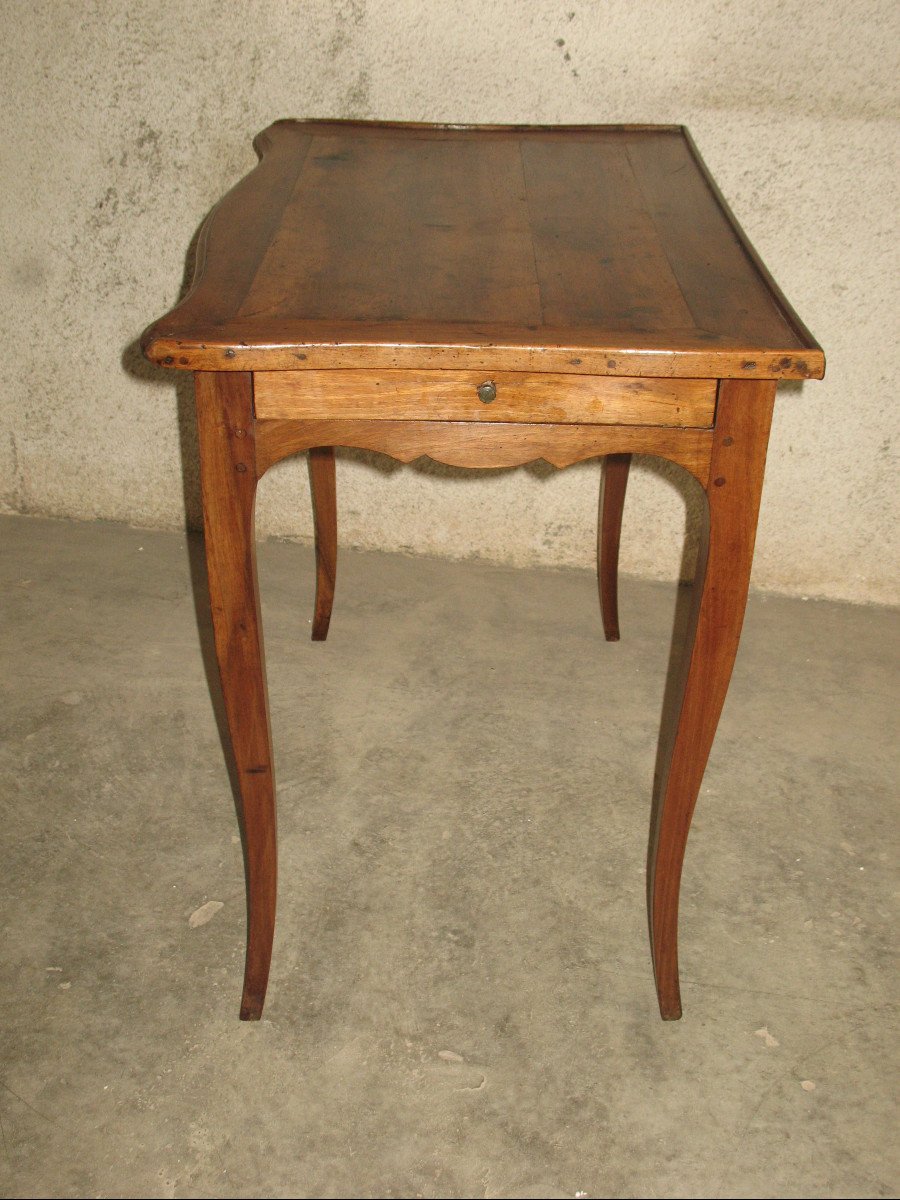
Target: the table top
(585, 249)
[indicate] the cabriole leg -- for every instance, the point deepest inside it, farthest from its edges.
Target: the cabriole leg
(324, 504)
(609, 532)
(228, 481)
(738, 457)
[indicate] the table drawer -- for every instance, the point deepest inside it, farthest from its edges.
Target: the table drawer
(472, 396)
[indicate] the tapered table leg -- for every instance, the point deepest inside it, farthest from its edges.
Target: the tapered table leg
(609, 532)
(743, 418)
(228, 481)
(324, 504)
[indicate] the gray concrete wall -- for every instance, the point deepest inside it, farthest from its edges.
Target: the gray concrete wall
(122, 123)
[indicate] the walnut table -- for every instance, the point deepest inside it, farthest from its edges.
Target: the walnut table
(486, 297)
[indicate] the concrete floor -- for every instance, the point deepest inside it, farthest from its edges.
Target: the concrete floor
(461, 1002)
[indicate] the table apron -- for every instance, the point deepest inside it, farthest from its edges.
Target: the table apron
(484, 443)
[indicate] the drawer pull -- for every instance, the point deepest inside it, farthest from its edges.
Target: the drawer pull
(487, 392)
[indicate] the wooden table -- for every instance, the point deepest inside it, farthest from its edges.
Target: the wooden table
(486, 297)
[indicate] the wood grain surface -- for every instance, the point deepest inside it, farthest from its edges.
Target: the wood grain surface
(595, 250)
(454, 396)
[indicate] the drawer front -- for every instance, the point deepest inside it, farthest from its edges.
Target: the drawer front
(394, 395)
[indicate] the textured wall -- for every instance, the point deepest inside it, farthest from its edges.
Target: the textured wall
(122, 123)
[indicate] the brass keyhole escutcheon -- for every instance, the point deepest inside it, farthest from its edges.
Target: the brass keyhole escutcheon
(487, 392)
